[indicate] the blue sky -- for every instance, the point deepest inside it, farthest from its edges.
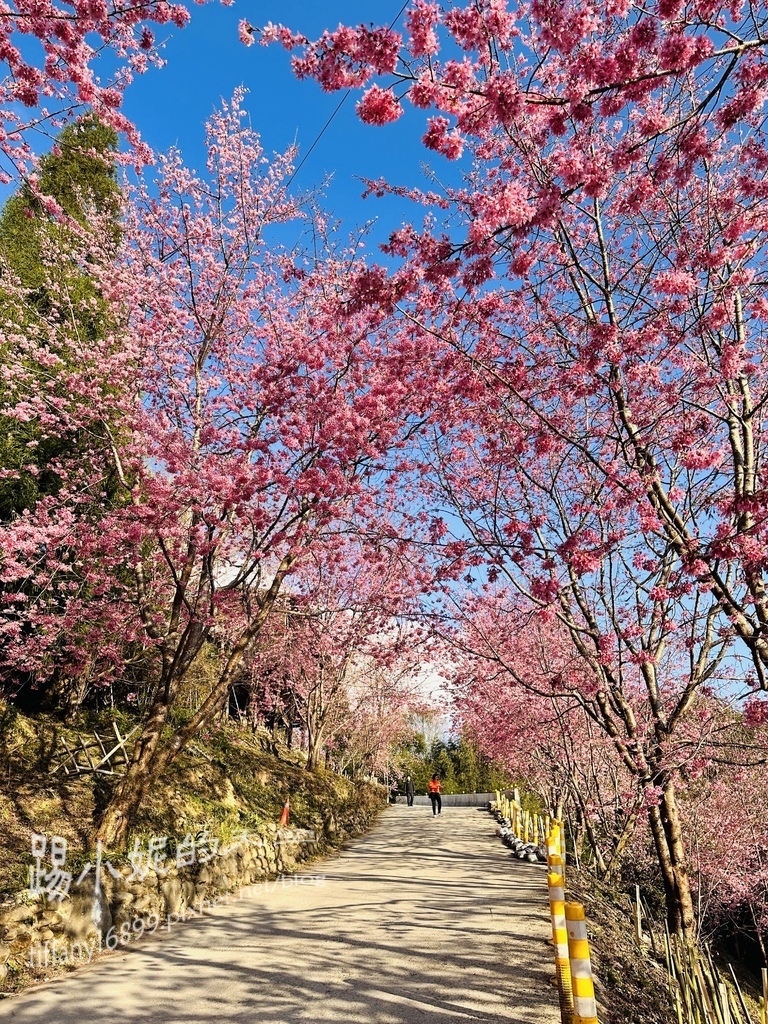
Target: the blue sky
(206, 62)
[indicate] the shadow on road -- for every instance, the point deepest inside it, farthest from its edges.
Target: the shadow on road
(424, 920)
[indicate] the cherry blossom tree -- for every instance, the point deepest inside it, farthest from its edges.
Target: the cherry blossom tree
(256, 409)
(646, 644)
(725, 819)
(345, 650)
(523, 694)
(541, 733)
(605, 254)
(597, 275)
(50, 54)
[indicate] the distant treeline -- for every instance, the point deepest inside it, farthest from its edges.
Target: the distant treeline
(458, 763)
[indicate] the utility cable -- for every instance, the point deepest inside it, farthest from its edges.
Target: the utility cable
(338, 107)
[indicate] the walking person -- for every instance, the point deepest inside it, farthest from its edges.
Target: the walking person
(434, 795)
(409, 790)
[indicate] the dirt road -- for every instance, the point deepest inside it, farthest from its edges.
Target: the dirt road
(424, 920)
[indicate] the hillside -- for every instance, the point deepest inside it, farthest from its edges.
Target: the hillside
(229, 788)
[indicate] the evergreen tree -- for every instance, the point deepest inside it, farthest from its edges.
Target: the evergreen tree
(460, 765)
(76, 183)
(468, 769)
(442, 766)
(46, 251)
(412, 760)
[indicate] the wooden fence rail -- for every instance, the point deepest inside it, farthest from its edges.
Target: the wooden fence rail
(95, 756)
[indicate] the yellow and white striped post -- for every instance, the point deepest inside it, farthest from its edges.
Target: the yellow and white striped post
(583, 988)
(559, 827)
(517, 814)
(553, 850)
(560, 937)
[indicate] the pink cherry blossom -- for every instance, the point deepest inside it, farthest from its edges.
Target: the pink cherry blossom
(379, 106)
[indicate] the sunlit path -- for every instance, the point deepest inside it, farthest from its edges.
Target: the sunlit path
(426, 919)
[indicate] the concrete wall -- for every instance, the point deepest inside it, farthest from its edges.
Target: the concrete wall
(455, 799)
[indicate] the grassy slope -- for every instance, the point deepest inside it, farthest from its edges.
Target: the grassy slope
(226, 783)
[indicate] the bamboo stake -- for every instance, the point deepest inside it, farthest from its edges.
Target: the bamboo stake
(650, 922)
(741, 997)
(85, 751)
(673, 983)
(637, 918)
(725, 1003)
(103, 748)
(710, 1001)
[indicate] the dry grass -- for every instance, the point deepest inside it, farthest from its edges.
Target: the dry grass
(226, 782)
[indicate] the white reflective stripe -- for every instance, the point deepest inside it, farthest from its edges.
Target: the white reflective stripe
(583, 1007)
(581, 969)
(557, 893)
(577, 929)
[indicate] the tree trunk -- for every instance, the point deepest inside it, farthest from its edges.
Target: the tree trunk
(127, 796)
(74, 698)
(627, 832)
(66, 695)
(759, 934)
(151, 758)
(583, 819)
(314, 748)
(670, 850)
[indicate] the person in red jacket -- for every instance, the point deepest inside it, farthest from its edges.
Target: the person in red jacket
(434, 795)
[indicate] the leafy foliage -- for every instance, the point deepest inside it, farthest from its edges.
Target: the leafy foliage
(41, 234)
(461, 766)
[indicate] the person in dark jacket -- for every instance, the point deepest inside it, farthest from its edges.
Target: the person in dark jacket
(409, 790)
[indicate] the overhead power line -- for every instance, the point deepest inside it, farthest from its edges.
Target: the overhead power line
(338, 107)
